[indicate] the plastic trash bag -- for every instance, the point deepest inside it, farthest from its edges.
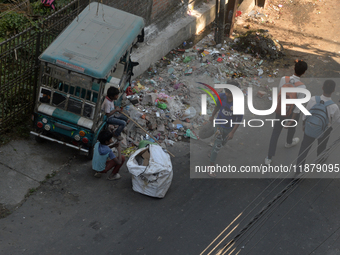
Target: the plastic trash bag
(169, 142)
(190, 112)
(175, 107)
(155, 178)
(190, 134)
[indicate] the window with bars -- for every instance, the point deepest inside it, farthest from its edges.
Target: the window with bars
(69, 91)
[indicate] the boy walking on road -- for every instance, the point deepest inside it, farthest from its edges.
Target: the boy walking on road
(300, 69)
(225, 131)
(104, 159)
(333, 115)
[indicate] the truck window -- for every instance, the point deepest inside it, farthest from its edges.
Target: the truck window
(74, 106)
(69, 92)
(45, 96)
(59, 100)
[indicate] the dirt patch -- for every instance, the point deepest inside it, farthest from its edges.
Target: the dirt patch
(307, 29)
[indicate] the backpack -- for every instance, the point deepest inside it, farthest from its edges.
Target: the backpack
(48, 3)
(317, 123)
(289, 95)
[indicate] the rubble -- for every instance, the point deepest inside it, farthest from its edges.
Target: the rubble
(166, 99)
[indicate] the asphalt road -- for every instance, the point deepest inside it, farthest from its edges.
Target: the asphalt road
(75, 213)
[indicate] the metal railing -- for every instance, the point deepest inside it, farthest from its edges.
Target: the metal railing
(20, 65)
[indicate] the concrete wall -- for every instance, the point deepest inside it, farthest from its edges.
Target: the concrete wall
(153, 11)
(170, 37)
(168, 24)
(246, 6)
(142, 8)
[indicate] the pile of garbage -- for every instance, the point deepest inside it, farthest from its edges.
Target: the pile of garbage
(259, 43)
(166, 99)
(167, 118)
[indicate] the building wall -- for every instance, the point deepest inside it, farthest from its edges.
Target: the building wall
(161, 7)
(142, 8)
(152, 11)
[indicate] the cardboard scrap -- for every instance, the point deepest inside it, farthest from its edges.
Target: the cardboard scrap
(146, 157)
(177, 122)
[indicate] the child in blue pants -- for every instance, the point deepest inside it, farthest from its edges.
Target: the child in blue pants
(111, 112)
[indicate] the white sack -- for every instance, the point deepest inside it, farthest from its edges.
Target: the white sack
(155, 179)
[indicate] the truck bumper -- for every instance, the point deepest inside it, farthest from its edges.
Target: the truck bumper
(55, 140)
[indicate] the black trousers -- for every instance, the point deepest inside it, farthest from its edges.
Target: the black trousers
(277, 131)
(307, 143)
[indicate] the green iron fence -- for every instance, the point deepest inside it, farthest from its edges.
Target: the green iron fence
(20, 65)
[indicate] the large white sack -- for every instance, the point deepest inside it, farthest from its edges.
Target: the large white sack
(155, 179)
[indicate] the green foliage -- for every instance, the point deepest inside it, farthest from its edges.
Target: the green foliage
(51, 175)
(11, 23)
(14, 109)
(30, 192)
(61, 3)
(39, 9)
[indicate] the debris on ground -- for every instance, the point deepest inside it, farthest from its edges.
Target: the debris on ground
(166, 99)
(259, 43)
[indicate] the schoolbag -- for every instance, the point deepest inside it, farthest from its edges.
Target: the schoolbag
(317, 123)
(290, 95)
(48, 3)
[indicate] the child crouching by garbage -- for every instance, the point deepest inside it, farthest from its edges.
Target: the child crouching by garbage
(225, 131)
(104, 159)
